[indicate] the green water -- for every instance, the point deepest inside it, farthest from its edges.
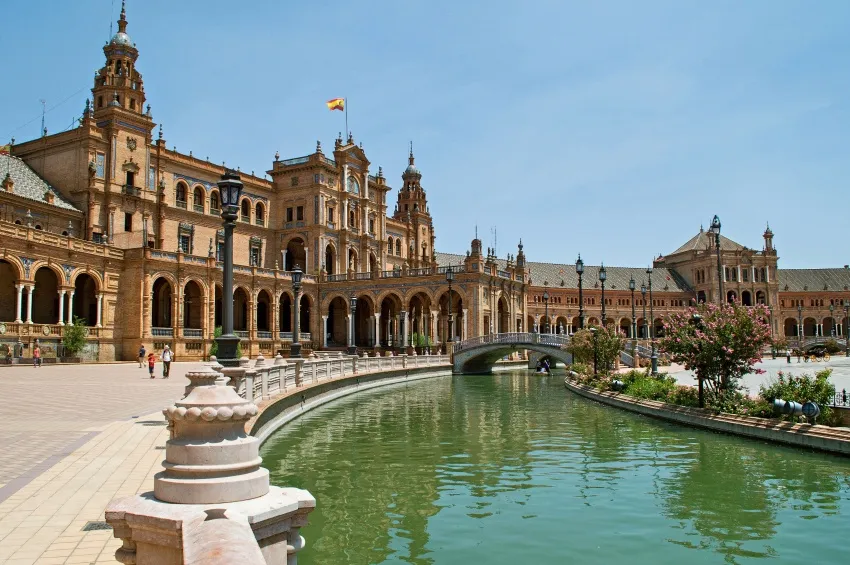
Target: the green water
(513, 468)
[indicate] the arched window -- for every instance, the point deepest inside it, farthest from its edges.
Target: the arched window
(198, 199)
(398, 247)
(246, 210)
(352, 221)
(260, 216)
(180, 196)
(215, 203)
(353, 185)
(390, 245)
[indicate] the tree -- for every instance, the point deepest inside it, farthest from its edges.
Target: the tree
(609, 344)
(720, 344)
(214, 347)
(74, 337)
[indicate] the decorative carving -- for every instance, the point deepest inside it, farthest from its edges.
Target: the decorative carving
(27, 264)
(131, 143)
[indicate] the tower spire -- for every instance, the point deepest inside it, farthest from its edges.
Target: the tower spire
(410, 159)
(122, 21)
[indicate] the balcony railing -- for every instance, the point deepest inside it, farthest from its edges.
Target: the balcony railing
(198, 208)
(215, 211)
(180, 204)
(162, 332)
(246, 219)
(336, 278)
(131, 190)
(193, 332)
(390, 274)
(241, 333)
(362, 276)
(262, 334)
(260, 221)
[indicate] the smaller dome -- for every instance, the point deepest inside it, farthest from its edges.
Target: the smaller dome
(121, 38)
(412, 170)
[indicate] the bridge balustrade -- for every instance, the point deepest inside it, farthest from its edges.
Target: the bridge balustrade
(512, 338)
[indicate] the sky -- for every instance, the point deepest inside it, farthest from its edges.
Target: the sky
(613, 129)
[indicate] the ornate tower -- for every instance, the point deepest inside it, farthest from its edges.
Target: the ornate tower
(768, 239)
(412, 208)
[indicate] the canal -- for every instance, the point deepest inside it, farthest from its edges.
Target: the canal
(512, 468)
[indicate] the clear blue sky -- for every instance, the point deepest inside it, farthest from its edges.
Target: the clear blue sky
(612, 128)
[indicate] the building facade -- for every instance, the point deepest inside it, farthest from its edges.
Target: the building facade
(105, 223)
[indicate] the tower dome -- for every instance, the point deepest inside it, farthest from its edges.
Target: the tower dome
(121, 37)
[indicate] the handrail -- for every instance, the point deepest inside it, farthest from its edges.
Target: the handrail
(514, 338)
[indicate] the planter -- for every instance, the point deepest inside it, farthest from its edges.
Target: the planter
(70, 360)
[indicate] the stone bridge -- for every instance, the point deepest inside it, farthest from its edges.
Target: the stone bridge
(478, 354)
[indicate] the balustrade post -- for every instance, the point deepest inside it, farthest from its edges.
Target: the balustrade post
(98, 319)
(249, 385)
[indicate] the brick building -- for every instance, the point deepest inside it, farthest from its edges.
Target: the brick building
(105, 223)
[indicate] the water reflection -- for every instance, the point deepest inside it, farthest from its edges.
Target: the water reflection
(497, 469)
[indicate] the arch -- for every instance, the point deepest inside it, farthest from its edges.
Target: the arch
(659, 328)
(9, 274)
(562, 325)
(390, 305)
(260, 213)
(45, 301)
(353, 186)
(625, 327)
(592, 321)
(217, 306)
(398, 247)
(215, 201)
(337, 316)
(305, 313)
(240, 309)
(642, 328)
(503, 316)
(264, 311)
(390, 245)
(245, 210)
(828, 327)
(352, 259)
(419, 309)
(444, 328)
(790, 326)
(295, 254)
(746, 298)
(760, 297)
(809, 327)
(161, 303)
(85, 299)
(181, 192)
(701, 299)
(363, 316)
(373, 263)
(285, 313)
(193, 305)
(198, 198)
(731, 297)
(330, 259)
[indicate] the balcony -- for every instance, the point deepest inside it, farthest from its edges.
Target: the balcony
(264, 334)
(241, 333)
(246, 219)
(199, 208)
(162, 332)
(131, 190)
(332, 225)
(215, 211)
(260, 222)
(180, 204)
(193, 333)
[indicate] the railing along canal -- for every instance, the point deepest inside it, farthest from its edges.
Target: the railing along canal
(518, 338)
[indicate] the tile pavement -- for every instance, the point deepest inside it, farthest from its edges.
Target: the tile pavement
(95, 432)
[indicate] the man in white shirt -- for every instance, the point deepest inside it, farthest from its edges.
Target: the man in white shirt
(166, 362)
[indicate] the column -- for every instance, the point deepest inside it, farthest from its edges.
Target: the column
(739, 273)
(98, 320)
(406, 323)
(20, 288)
(723, 272)
(436, 333)
(61, 307)
(31, 291)
(463, 327)
(69, 317)
(377, 329)
(283, 260)
(324, 331)
(349, 329)
(306, 260)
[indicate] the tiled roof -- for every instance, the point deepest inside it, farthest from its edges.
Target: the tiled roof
(797, 280)
(700, 242)
(617, 279)
(28, 184)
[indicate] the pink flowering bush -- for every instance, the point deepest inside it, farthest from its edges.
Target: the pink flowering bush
(721, 345)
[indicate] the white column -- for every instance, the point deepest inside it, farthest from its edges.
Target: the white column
(463, 328)
(349, 324)
(753, 276)
(377, 328)
(20, 288)
(306, 259)
(324, 331)
(98, 322)
(283, 260)
(406, 328)
(723, 272)
(436, 334)
(61, 307)
(30, 291)
(739, 273)
(767, 273)
(70, 316)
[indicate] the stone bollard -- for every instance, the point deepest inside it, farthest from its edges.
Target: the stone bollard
(213, 498)
(261, 361)
(278, 360)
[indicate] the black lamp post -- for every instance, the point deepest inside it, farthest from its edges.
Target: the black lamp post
(546, 315)
(654, 356)
(844, 329)
(352, 347)
(602, 276)
(643, 296)
(715, 229)
(450, 277)
(697, 321)
(295, 348)
(230, 189)
(634, 322)
(593, 331)
(580, 270)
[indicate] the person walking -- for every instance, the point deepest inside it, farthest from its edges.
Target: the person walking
(36, 356)
(166, 362)
(151, 364)
(142, 356)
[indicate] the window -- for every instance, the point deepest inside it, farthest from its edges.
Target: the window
(198, 199)
(151, 178)
(215, 205)
(246, 211)
(289, 214)
(132, 103)
(185, 243)
(372, 225)
(256, 251)
(330, 214)
(390, 245)
(352, 222)
(128, 221)
(131, 178)
(353, 186)
(259, 214)
(100, 101)
(294, 181)
(182, 189)
(100, 164)
(745, 275)
(398, 247)
(299, 213)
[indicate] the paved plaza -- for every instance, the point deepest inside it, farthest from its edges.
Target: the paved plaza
(76, 437)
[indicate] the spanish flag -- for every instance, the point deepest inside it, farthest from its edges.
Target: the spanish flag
(336, 104)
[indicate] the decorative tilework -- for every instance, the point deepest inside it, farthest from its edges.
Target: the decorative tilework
(27, 264)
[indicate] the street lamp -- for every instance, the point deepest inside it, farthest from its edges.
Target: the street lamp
(634, 322)
(602, 276)
(643, 295)
(715, 229)
(352, 347)
(580, 270)
(230, 189)
(654, 356)
(697, 321)
(450, 277)
(546, 315)
(295, 348)
(593, 331)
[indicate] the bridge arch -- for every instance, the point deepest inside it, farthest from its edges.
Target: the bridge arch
(477, 355)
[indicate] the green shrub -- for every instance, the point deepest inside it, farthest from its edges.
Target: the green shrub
(74, 337)
(803, 388)
(684, 396)
(832, 346)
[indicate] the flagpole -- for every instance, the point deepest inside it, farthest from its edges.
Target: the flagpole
(346, 118)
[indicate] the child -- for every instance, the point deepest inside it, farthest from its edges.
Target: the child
(151, 364)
